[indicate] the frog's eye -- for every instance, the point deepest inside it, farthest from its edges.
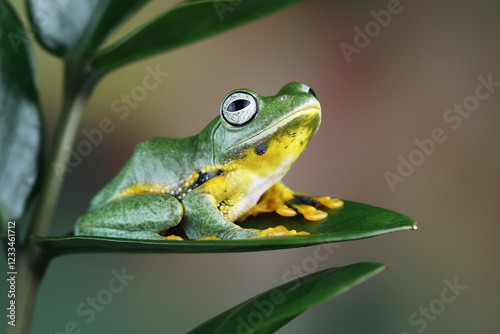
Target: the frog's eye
(239, 108)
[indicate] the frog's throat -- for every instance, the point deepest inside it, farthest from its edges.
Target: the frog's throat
(272, 128)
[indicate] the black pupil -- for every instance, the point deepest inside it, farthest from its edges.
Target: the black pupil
(310, 91)
(238, 105)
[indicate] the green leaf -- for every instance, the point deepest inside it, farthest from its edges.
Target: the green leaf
(183, 24)
(352, 221)
(65, 28)
(20, 121)
(269, 311)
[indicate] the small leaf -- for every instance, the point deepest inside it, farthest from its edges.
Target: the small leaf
(65, 28)
(353, 221)
(183, 24)
(20, 121)
(269, 311)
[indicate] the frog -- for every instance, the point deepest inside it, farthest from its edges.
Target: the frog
(201, 187)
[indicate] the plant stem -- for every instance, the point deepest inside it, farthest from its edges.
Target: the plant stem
(29, 279)
(75, 100)
(32, 262)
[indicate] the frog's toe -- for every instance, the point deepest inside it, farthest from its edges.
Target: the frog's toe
(310, 212)
(173, 237)
(212, 237)
(307, 206)
(279, 231)
(331, 203)
(286, 211)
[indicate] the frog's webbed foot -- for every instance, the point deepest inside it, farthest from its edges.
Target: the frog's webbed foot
(279, 231)
(286, 202)
(307, 205)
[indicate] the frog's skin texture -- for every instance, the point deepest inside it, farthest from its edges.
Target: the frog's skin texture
(229, 171)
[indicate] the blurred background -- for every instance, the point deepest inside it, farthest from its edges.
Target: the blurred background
(395, 87)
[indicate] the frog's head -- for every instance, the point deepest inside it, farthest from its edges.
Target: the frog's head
(270, 131)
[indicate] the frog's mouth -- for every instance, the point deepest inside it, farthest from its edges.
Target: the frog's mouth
(274, 127)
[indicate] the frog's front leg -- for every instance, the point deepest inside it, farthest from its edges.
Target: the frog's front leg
(287, 202)
(202, 219)
(140, 216)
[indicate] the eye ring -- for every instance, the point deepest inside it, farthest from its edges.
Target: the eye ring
(239, 108)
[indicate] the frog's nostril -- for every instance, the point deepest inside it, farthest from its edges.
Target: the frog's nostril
(238, 105)
(310, 91)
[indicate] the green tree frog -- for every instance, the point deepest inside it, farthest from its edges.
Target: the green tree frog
(198, 187)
